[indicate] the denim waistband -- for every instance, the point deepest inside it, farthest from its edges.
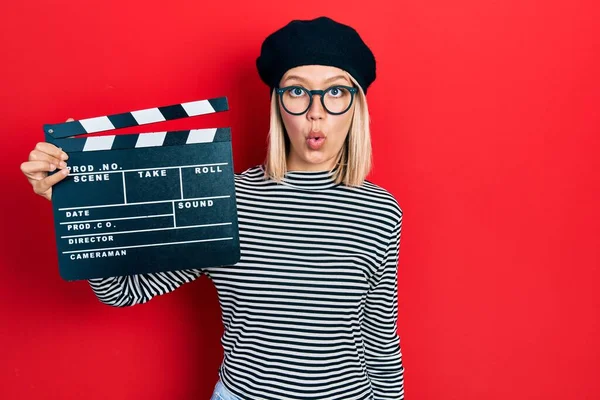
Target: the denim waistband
(221, 393)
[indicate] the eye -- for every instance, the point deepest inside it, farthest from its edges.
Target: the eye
(337, 91)
(295, 91)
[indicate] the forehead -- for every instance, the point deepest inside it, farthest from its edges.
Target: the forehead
(316, 74)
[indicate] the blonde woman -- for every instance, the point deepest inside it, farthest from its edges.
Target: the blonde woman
(310, 310)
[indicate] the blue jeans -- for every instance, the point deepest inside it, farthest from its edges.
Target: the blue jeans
(221, 393)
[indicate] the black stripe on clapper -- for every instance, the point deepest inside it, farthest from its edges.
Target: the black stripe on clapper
(125, 142)
(173, 112)
(219, 104)
(123, 120)
(64, 130)
(175, 138)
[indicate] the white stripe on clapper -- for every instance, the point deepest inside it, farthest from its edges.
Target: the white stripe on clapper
(99, 143)
(97, 124)
(201, 136)
(151, 139)
(148, 116)
(197, 107)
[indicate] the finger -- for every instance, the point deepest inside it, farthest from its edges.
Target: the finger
(37, 167)
(37, 155)
(52, 150)
(43, 185)
(70, 120)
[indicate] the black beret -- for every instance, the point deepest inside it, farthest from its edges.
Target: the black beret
(320, 41)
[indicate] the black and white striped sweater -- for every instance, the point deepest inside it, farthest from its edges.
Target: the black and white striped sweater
(310, 310)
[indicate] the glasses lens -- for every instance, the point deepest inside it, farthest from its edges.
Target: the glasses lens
(337, 99)
(295, 100)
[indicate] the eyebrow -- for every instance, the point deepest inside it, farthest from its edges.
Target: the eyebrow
(301, 79)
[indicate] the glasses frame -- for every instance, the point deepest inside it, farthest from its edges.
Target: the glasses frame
(311, 93)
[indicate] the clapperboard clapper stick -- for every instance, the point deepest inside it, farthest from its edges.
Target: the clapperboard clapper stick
(147, 202)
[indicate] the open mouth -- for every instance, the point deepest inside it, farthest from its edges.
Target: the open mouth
(315, 142)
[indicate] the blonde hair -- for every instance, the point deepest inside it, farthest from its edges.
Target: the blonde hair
(353, 162)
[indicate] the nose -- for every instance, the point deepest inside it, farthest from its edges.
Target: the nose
(316, 110)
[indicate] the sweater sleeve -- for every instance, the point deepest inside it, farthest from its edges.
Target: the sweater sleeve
(382, 343)
(122, 291)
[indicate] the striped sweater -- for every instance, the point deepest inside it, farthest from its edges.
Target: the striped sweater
(310, 310)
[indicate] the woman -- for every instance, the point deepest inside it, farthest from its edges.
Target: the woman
(310, 310)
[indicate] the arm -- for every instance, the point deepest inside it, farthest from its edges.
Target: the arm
(382, 343)
(122, 291)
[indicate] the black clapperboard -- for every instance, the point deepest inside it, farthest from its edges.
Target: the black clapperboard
(147, 202)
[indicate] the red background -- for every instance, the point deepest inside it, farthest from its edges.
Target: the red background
(485, 127)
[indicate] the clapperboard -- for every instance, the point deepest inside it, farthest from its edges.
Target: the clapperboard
(148, 202)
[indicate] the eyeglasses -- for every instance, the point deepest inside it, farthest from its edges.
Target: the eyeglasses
(336, 100)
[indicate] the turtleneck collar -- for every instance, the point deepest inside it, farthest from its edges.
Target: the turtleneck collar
(310, 180)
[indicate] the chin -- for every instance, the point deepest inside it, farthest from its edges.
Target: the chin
(319, 162)
(316, 159)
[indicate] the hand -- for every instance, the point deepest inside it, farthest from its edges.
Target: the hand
(44, 158)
